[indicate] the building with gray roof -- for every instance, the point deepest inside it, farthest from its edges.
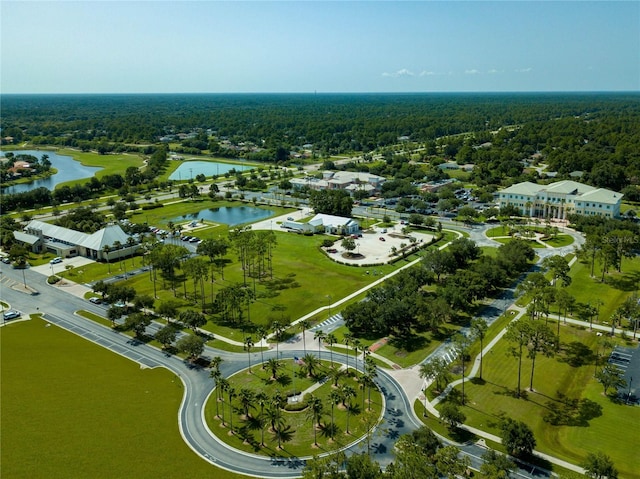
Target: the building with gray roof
(111, 242)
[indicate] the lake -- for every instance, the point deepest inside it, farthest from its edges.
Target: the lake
(190, 169)
(231, 216)
(68, 170)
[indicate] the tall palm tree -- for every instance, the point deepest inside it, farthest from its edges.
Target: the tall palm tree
(356, 345)
(276, 327)
(117, 245)
(216, 376)
(262, 334)
(246, 398)
(348, 337)
(347, 392)
(224, 385)
(304, 325)
(231, 392)
(331, 340)
(314, 413)
(248, 344)
(106, 248)
(130, 243)
(334, 398)
(320, 336)
(262, 399)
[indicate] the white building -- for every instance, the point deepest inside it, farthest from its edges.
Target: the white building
(65, 242)
(321, 223)
(559, 199)
(350, 181)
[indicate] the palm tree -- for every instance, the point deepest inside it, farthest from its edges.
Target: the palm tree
(336, 373)
(315, 414)
(274, 365)
(216, 376)
(348, 337)
(277, 329)
(319, 335)
(331, 340)
(106, 248)
(224, 384)
(130, 243)
(262, 399)
(370, 374)
(304, 325)
(231, 392)
(479, 330)
(248, 344)
(262, 334)
(347, 393)
(356, 345)
(246, 398)
(311, 364)
(334, 398)
(117, 245)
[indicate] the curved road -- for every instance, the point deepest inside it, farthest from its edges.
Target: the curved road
(59, 307)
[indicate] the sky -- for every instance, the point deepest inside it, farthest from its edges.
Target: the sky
(318, 46)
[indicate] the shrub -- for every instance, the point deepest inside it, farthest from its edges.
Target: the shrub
(53, 279)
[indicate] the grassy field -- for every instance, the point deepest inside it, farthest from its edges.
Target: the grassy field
(300, 432)
(111, 164)
(570, 373)
(608, 295)
(73, 409)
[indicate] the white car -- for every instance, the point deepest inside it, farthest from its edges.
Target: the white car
(56, 260)
(12, 314)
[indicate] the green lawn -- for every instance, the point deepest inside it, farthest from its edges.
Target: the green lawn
(559, 241)
(300, 440)
(111, 164)
(308, 287)
(611, 294)
(73, 409)
(571, 373)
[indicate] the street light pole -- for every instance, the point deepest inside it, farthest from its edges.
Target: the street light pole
(330, 299)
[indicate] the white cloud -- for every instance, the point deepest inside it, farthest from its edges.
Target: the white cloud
(400, 73)
(471, 72)
(425, 73)
(493, 71)
(523, 70)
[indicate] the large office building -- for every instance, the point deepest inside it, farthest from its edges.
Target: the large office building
(559, 199)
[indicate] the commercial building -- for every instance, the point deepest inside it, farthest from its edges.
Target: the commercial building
(111, 242)
(559, 199)
(350, 181)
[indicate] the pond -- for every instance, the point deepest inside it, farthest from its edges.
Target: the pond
(68, 170)
(190, 169)
(231, 216)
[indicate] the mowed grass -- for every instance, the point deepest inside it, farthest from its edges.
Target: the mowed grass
(73, 409)
(613, 432)
(605, 296)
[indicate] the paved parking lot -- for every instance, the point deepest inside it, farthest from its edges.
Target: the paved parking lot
(628, 359)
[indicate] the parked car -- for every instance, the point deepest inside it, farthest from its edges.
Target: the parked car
(332, 250)
(6, 260)
(56, 260)
(95, 300)
(382, 239)
(12, 314)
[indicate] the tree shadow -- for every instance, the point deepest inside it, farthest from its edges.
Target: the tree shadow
(283, 380)
(576, 354)
(625, 282)
(329, 430)
(409, 342)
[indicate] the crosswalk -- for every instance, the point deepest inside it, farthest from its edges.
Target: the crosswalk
(328, 325)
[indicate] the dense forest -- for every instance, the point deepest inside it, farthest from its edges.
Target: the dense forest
(591, 136)
(336, 123)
